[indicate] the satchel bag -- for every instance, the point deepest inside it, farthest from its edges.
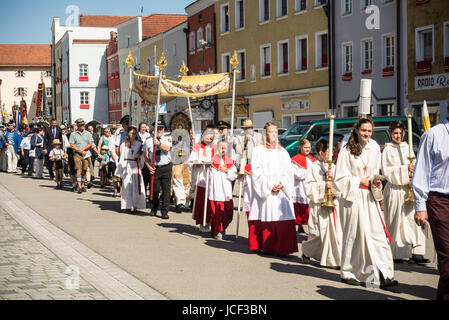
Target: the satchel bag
(32, 153)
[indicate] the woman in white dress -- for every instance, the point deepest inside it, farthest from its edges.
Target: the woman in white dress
(366, 257)
(409, 238)
(129, 169)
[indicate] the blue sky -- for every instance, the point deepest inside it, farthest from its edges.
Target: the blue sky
(29, 21)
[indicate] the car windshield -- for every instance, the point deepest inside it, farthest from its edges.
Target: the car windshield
(297, 129)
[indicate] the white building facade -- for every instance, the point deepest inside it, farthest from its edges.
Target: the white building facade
(80, 76)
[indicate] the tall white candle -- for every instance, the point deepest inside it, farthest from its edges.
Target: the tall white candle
(331, 137)
(410, 135)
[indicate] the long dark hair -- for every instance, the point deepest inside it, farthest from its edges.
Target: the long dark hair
(128, 136)
(353, 144)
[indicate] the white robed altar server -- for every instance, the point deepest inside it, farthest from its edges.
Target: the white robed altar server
(325, 233)
(366, 257)
(129, 168)
(409, 238)
(271, 202)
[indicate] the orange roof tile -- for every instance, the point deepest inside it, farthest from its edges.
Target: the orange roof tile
(157, 23)
(90, 20)
(18, 55)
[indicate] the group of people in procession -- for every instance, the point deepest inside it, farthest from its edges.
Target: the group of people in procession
(370, 226)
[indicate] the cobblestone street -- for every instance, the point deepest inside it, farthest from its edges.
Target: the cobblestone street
(28, 270)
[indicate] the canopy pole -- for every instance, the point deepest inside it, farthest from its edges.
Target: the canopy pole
(162, 63)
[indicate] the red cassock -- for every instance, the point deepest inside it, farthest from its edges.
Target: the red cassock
(301, 204)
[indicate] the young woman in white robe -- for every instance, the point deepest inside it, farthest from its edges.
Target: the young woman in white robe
(198, 177)
(272, 203)
(300, 163)
(366, 257)
(409, 238)
(129, 169)
(222, 173)
(325, 235)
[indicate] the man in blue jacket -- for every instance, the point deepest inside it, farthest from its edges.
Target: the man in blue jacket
(2, 145)
(12, 144)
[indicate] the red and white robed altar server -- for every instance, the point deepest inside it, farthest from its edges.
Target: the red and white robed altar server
(300, 163)
(221, 206)
(271, 202)
(198, 171)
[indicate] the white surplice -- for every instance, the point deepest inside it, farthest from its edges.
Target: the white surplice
(325, 233)
(129, 168)
(220, 183)
(270, 167)
(365, 247)
(299, 173)
(399, 215)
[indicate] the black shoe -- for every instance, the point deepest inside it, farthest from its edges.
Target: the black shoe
(89, 185)
(419, 259)
(387, 283)
(84, 189)
(398, 260)
(153, 213)
(79, 190)
(305, 259)
(301, 230)
(351, 282)
(164, 215)
(180, 208)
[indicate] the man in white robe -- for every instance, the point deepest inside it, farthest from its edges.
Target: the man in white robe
(271, 202)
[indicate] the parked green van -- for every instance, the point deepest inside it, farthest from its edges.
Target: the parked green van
(314, 129)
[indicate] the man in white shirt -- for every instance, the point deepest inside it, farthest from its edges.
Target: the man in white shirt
(431, 191)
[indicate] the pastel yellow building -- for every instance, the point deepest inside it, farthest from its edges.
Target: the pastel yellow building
(282, 48)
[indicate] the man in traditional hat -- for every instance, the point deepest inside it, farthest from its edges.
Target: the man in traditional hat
(162, 171)
(81, 141)
(12, 144)
(248, 139)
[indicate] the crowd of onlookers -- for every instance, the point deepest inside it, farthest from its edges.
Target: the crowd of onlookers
(31, 148)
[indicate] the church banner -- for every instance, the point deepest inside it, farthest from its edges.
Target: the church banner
(189, 86)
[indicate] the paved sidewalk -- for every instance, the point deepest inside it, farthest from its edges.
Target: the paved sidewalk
(29, 270)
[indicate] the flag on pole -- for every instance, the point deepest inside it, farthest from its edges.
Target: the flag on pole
(24, 115)
(46, 113)
(425, 117)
